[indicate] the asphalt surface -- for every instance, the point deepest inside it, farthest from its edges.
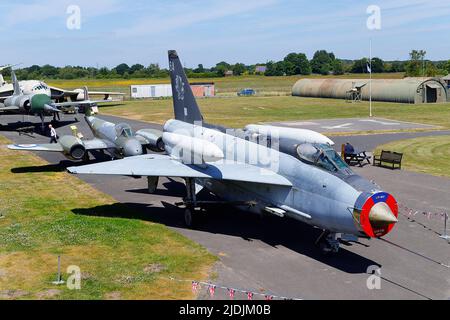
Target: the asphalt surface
(353, 125)
(277, 256)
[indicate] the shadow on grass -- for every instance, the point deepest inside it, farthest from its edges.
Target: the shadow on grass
(225, 220)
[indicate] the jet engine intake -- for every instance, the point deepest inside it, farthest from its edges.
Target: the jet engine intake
(154, 137)
(73, 147)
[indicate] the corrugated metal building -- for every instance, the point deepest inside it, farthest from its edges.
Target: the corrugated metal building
(446, 79)
(392, 90)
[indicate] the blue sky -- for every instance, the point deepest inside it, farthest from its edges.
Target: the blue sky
(248, 31)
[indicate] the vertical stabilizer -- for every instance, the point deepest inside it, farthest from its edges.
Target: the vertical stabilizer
(15, 83)
(185, 105)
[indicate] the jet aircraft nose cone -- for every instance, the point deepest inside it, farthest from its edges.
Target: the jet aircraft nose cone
(132, 148)
(381, 215)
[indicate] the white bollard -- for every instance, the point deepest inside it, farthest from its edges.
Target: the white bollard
(445, 236)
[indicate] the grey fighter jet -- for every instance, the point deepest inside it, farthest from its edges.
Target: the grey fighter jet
(117, 140)
(303, 178)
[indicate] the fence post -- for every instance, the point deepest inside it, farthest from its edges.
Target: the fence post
(445, 236)
(59, 280)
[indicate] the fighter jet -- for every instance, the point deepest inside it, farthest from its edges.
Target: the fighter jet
(31, 87)
(303, 179)
(38, 104)
(117, 140)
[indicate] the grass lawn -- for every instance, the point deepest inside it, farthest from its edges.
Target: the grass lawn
(224, 86)
(427, 155)
(52, 213)
(237, 112)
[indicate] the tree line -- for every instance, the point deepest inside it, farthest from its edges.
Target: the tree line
(323, 62)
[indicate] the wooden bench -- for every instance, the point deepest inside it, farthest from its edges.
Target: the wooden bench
(393, 159)
(357, 158)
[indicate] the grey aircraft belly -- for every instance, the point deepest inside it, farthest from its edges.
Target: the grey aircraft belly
(118, 140)
(261, 170)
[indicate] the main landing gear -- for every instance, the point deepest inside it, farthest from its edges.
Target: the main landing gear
(328, 242)
(192, 210)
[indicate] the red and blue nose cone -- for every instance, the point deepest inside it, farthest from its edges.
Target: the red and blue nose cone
(376, 215)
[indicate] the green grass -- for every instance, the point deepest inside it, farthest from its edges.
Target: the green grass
(428, 155)
(237, 112)
(120, 255)
(224, 86)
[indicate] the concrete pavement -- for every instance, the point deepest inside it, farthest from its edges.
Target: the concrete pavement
(278, 256)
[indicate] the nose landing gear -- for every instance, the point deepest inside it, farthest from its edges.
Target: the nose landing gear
(328, 242)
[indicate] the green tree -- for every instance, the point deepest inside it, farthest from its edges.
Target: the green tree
(200, 69)
(322, 62)
(416, 66)
(377, 65)
(239, 69)
(275, 69)
(135, 68)
(360, 66)
(296, 63)
(122, 69)
(447, 66)
(338, 67)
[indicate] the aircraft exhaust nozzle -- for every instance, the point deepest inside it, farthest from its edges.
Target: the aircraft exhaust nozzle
(381, 215)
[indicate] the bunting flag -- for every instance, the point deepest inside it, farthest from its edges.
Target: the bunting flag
(195, 287)
(212, 290)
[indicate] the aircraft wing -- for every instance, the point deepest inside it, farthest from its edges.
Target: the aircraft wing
(61, 93)
(80, 103)
(55, 147)
(3, 108)
(97, 144)
(165, 166)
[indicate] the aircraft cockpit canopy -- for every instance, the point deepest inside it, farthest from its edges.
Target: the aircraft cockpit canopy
(322, 156)
(40, 86)
(124, 130)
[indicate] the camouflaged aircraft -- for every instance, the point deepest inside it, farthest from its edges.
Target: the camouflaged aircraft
(39, 103)
(303, 178)
(118, 140)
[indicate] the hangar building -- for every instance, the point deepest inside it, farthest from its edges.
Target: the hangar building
(410, 90)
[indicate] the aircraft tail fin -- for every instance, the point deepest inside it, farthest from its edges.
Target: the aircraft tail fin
(15, 83)
(2, 80)
(185, 105)
(86, 94)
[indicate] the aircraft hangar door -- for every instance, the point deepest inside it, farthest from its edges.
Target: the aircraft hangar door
(432, 93)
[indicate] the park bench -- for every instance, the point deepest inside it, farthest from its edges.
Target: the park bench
(392, 159)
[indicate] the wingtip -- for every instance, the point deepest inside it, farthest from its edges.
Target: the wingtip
(72, 170)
